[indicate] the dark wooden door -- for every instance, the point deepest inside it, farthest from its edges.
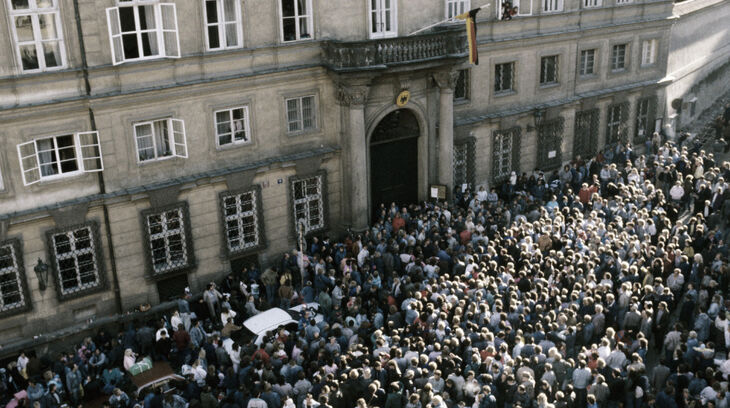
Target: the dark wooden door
(394, 172)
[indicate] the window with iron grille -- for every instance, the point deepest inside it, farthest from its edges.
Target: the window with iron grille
(13, 291)
(504, 77)
(587, 62)
(76, 259)
(232, 126)
(549, 70)
(301, 114)
(618, 57)
(585, 140)
(37, 34)
(308, 202)
(169, 245)
(461, 90)
(464, 162)
(644, 118)
(242, 221)
(223, 24)
(456, 7)
(550, 142)
(505, 152)
(616, 123)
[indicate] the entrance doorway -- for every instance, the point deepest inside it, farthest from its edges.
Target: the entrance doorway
(394, 160)
(172, 288)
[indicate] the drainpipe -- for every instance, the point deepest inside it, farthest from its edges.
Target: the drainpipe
(100, 175)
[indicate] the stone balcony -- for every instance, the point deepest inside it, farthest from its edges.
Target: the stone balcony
(378, 54)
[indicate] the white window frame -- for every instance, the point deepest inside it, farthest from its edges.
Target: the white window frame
(649, 52)
(221, 24)
(34, 13)
(592, 3)
(165, 235)
(234, 126)
(551, 6)
(379, 17)
(511, 87)
(307, 202)
(14, 268)
(624, 1)
(87, 154)
(520, 4)
(583, 61)
(176, 139)
(74, 253)
(165, 30)
(242, 218)
(502, 142)
(455, 7)
(300, 115)
(297, 21)
(615, 57)
(544, 71)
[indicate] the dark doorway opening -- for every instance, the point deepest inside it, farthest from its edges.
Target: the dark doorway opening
(394, 160)
(172, 288)
(247, 261)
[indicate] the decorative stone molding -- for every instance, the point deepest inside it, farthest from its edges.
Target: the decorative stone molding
(446, 80)
(352, 95)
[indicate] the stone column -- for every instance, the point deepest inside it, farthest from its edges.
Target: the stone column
(352, 98)
(446, 82)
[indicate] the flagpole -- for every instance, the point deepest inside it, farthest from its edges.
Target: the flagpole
(440, 22)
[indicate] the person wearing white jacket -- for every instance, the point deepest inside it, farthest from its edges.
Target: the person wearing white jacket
(677, 192)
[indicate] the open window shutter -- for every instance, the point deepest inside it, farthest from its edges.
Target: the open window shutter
(178, 138)
(115, 35)
(90, 149)
(169, 30)
(29, 166)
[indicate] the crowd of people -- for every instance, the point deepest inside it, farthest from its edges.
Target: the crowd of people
(601, 284)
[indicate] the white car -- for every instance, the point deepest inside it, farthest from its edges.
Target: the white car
(270, 320)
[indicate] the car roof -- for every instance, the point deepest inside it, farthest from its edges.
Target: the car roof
(268, 320)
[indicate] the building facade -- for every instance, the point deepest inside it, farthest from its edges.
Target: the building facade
(152, 145)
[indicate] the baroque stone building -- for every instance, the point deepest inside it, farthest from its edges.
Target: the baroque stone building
(150, 145)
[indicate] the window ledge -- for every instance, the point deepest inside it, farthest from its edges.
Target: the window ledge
(462, 101)
(588, 77)
(550, 85)
(233, 146)
(619, 71)
(303, 132)
(505, 93)
(648, 66)
(301, 40)
(153, 161)
(57, 179)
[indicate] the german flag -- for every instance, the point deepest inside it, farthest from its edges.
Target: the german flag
(471, 33)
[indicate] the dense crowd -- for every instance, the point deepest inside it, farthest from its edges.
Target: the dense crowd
(549, 290)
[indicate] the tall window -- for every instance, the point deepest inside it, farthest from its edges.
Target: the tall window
(461, 90)
(37, 34)
(241, 218)
(160, 139)
(587, 62)
(383, 18)
(616, 123)
(456, 7)
(140, 29)
(223, 24)
(296, 20)
(505, 152)
(75, 259)
(60, 156)
(549, 6)
(618, 57)
(644, 118)
(12, 296)
(308, 202)
(549, 70)
(648, 52)
(504, 77)
(168, 243)
(591, 3)
(232, 126)
(464, 162)
(301, 114)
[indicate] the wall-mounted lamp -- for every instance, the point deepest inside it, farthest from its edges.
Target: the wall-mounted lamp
(537, 116)
(41, 271)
